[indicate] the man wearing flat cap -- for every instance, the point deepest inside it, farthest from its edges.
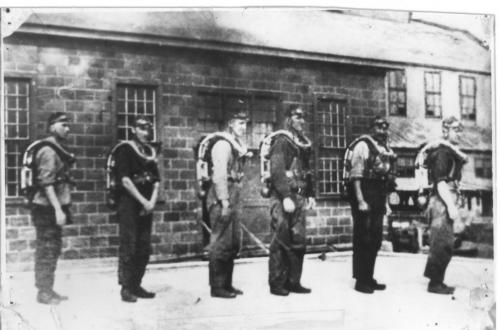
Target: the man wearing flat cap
(225, 204)
(292, 194)
(444, 163)
(51, 204)
(138, 177)
(371, 179)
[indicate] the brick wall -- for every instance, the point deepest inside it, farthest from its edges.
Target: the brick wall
(79, 77)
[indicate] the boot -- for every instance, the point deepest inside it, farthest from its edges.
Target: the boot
(440, 288)
(221, 293)
(140, 292)
(363, 287)
(46, 297)
(279, 291)
(297, 288)
(377, 286)
(127, 295)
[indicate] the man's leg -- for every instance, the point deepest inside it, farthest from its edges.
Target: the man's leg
(127, 213)
(297, 252)
(279, 264)
(48, 249)
(441, 248)
(361, 251)
(376, 230)
(142, 254)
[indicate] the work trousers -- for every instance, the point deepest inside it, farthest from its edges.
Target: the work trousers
(135, 242)
(48, 244)
(441, 240)
(288, 244)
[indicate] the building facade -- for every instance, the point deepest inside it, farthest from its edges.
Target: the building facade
(102, 73)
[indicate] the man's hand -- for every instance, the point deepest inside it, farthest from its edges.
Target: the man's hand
(311, 203)
(225, 208)
(60, 217)
(363, 206)
(453, 212)
(288, 205)
(148, 206)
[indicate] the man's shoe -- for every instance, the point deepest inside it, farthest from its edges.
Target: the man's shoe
(128, 296)
(363, 287)
(140, 292)
(222, 293)
(234, 290)
(297, 288)
(58, 296)
(46, 297)
(377, 286)
(440, 288)
(278, 291)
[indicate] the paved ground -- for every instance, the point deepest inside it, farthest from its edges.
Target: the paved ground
(183, 300)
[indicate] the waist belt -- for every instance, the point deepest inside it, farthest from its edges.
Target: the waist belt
(143, 179)
(300, 191)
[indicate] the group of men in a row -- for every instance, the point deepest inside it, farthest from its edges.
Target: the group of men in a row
(291, 195)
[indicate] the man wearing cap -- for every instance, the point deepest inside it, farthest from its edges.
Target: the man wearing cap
(137, 173)
(51, 205)
(225, 206)
(292, 194)
(444, 163)
(370, 181)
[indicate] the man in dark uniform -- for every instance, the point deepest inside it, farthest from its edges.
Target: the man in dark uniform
(51, 206)
(444, 164)
(225, 206)
(370, 181)
(292, 194)
(137, 172)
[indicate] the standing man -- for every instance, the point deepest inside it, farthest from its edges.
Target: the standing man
(51, 205)
(370, 181)
(291, 195)
(444, 163)
(225, 205)
(137, 173)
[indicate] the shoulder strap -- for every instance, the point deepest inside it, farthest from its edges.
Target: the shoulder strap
(210, 140)
(132, 145)
(372, 144)
(34, 147)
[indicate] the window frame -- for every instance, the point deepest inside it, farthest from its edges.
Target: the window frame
(139, 84)
(32, 119)
(251, 94)
(397, 89)
(433, 93)
(481, 159)
(316, 143)
(461, 97)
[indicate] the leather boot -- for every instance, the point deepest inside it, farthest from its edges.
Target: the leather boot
(363, 287)
(221, 293)
(377, 286)
(279, 291)
(46, 297)
(140, 292)
(127, 295)
(440, 288)
(297, 288)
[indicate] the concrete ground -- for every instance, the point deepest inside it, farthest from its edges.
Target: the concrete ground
(183, 300)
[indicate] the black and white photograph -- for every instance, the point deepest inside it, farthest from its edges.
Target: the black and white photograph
(247, 168)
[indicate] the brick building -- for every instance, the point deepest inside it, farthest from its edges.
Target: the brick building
(184, 69)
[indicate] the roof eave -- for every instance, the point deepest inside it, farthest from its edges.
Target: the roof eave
(169, 41)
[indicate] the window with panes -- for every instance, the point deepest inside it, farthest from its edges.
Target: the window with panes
(213, 105)
(405, 164)
(432, 84)
(132, 101)
(482, 167)
(397, 92)
(17, 133)
(467, 93)
(331, 138)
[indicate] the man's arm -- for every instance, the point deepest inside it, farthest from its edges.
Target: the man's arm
(46, 163)
(132, 190)
(360, 154)
(221, 154)
(278, 168)
(441, 162)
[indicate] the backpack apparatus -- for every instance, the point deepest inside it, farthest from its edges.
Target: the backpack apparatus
(421, 172)
(265, 149)
(374, 153)
(29, 172)
(110, 169)
(203, 157)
